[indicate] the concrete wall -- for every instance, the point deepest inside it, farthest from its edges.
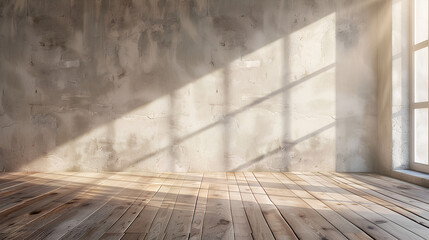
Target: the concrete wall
(400, 84)
(188, 85)
(384, 94)
(394, 88)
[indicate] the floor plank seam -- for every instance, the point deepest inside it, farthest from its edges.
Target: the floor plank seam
(382, 200)
(274, 206)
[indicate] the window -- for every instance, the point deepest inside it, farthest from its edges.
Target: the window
(419, 106)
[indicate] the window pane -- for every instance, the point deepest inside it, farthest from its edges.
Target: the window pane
(421, 75)
(420, 21)
(421, 135)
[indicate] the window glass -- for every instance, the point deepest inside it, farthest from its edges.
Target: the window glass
(421, 135)
(420, 21)
(421, 75)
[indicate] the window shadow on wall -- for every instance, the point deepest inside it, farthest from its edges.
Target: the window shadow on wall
(108, 85)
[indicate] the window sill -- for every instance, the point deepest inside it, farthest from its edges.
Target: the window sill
(412, 176)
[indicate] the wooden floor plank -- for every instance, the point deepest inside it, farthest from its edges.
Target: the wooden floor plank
(196, 231)
(260, 227)
(8, 176)
(279, 227)
(159, 223)
(418, 207)
(133, 236)
(66, 222)
(343, 225)
(305, 221)
(15, 177)
(402, 208)
(81, 202)
(179, 226)
(363, 210)
(24, 192)
(111, 236)
(397, 186)
(97, 224)
(152, 187)
(239, 218)
(217, 219)
(242, 205)
(16, 217)
(143, 221)
(20, 179)
(393, 216)
(320, 192)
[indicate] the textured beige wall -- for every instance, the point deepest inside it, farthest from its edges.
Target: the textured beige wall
(384, 94)
(393, 88)
(400, 84)
(188, 85)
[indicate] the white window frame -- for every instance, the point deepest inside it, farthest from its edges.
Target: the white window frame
(413, 105)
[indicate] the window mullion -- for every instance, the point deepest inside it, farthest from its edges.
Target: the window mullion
(428, 81)
(421, 45)
(411, 74)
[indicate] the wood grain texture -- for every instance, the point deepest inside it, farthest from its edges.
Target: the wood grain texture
(341, 207)
(240, 221)
(218, 220)
(29, 211)
(390, 221)
(260, 205)
(348, 229)
(179, 226)
(196, 231)
(260, 228)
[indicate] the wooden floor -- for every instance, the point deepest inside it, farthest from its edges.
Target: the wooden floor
(211, 206)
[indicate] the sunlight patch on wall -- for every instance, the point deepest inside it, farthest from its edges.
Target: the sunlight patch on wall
(231, 116)
(311, 128)
(400, 85)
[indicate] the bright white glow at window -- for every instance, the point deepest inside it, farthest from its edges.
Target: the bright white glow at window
(421, 75)
(420, 21)
(421, 135)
